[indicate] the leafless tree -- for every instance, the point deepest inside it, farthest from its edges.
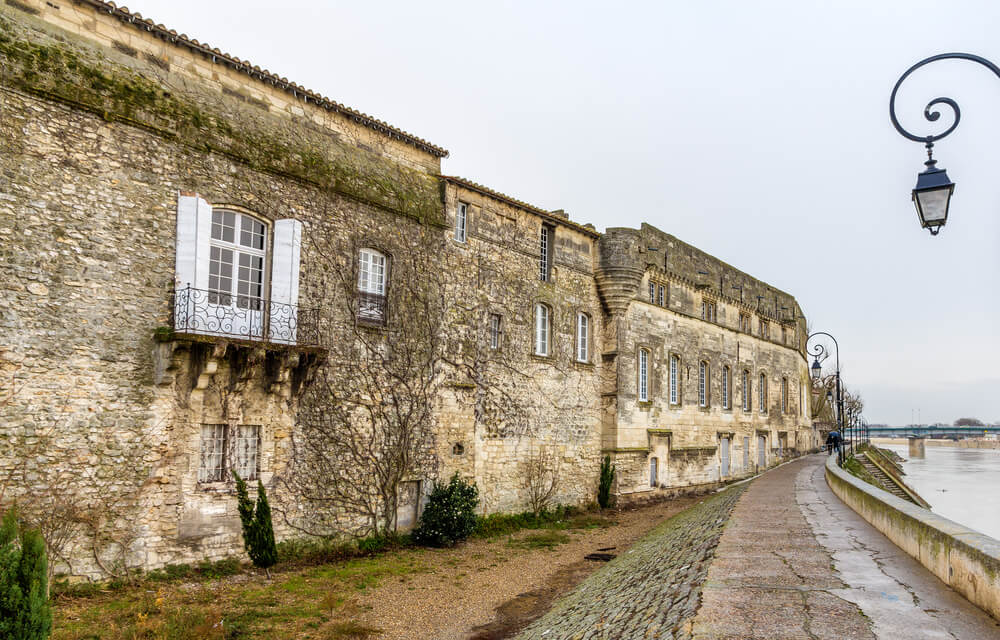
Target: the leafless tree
(540, 476)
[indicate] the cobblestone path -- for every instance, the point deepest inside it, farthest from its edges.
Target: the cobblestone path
(650, 591)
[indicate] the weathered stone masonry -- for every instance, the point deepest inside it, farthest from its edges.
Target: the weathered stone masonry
(108, 121)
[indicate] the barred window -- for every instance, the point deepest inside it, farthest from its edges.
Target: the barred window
(224, 448)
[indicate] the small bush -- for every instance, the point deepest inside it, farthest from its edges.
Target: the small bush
(450, 514)
(604, 485)
(24, 582)
(314, 551)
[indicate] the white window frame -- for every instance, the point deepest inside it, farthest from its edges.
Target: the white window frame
(545, 253)
(675, 385)
(582, 337)
(372, 271)
(727, 375)
(226, 447)
(643, 382)
(461, 221)
(703, 384)
(232, 297)
(543, 329)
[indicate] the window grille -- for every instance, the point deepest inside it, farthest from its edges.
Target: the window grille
(223, 448)
(495, 331)
(247, 442)
(674, 382)
(582, 337)
(643, 375)
(461, 217)
(213, 453)
(544, 260)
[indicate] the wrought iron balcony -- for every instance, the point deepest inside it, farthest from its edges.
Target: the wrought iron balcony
(371, 308)
(203, 312)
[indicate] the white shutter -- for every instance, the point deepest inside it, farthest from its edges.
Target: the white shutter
(194, 230)
(285, 280)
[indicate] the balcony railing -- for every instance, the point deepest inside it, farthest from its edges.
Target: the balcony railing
(371, 308)
(204, 312)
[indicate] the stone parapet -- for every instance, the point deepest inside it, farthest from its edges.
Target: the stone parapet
(965, 560)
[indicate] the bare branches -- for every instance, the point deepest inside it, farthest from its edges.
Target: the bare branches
(540, 474)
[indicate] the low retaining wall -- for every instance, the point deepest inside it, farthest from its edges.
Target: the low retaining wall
(967, 561)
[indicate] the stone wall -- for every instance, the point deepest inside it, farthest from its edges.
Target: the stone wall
(104, 123)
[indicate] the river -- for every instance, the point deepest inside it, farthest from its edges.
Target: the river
(960, 484)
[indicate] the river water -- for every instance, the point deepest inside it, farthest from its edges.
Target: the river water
(960, 484)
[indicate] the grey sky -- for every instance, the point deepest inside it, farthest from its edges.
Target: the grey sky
(757, 131)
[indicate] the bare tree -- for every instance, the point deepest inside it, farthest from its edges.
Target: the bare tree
(540, 474)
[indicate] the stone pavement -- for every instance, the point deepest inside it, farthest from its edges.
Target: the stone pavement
(795, 562)
(650, 591)
(792, 562)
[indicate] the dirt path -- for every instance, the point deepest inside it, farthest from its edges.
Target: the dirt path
(487, 590)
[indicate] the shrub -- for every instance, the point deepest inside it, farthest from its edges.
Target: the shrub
(24, 598)
(450, 514)
(258, 533)
(607, 479)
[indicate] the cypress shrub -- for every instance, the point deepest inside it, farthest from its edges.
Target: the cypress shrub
(24, 596)
(450, 514)
(258, 532)
(607, 479)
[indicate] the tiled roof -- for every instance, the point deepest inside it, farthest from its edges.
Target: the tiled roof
(219, 57)
(502, 197)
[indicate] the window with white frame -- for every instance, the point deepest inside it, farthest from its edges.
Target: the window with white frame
(643, 375)
(237, 252)
(461, 219)
(545, 253)
(675, 383)
(784, 395)
(225, 448)
(496, 330)
(745, 391)
(582, 337)
(702, 384)
(371, 285)
(543, 324)
(727, 375)
(762, 392)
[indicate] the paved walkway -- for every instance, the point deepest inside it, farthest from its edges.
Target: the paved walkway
(795, 562)
(792, 562)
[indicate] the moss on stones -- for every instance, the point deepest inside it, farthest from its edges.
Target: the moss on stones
(86, 79)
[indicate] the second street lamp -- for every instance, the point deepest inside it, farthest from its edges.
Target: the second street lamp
(820, 353)
(932, 195)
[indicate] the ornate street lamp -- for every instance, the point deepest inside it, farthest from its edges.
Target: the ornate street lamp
(932, 195)
(820, 353)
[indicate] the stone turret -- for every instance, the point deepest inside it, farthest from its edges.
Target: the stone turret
(620, 270)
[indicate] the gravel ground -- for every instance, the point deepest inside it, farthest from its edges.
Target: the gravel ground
(652, 590)
(488, 590)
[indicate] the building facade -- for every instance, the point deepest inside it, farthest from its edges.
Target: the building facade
(194, 250)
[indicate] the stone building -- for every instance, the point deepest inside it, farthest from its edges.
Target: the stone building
(190, 245)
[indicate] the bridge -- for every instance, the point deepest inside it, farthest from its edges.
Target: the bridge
(933, 431)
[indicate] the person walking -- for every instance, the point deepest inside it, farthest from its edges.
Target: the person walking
(833, 440)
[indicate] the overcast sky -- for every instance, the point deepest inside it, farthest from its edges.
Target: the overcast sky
(757, 131)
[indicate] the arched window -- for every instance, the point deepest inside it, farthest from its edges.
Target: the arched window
(746, 391)
(543, 329)
(703, 384)
(654, 472)
(582, 337)
(643, 385)
(784, 395)
(237, 252)
(727, 375)
(675, 383)
(371, 285)
(762, 392)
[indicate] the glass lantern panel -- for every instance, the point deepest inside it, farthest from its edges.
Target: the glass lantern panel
(933, 205)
